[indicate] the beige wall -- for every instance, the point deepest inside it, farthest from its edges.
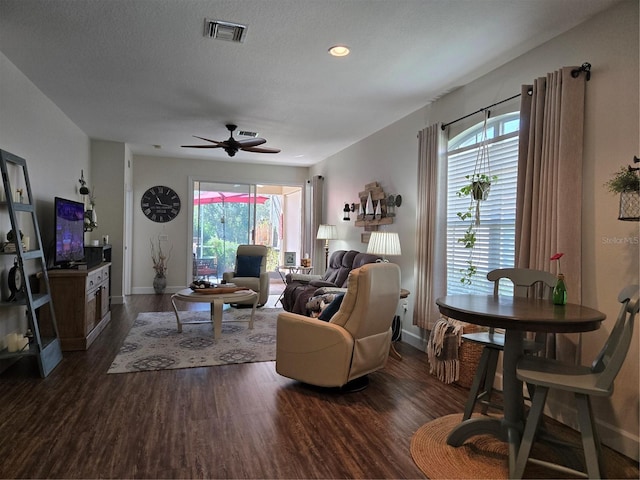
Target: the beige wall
(178, 174)
(55, 150)
(610, 259)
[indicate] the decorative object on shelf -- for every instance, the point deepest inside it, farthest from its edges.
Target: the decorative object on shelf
(160, 262)
(11, 236)
(384, 244)
(90, 216)
(377, 214)
(15, 281)
(90, 220)
(347, 209)
(289, 259)
(626, 182)
(160, 204)
(83, 185)
(560, 290)
(326, 233)
(368, 209)
(16, 342)
(10, 245)
(18, 197)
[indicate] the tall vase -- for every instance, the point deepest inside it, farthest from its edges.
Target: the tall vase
(159, 283)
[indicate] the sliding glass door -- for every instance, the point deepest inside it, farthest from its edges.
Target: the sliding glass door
(227, 215)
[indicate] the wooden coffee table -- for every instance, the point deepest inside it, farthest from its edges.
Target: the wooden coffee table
(217, 301)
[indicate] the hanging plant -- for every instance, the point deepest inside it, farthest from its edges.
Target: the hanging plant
(477, 188)
(626, 179)
(626, 183)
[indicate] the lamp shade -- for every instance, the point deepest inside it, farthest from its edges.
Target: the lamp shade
(327, 232)
(384, 243)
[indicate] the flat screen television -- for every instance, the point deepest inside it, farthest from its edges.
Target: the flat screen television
(69, 232)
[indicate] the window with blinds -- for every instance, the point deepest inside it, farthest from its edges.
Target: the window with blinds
(495, 236)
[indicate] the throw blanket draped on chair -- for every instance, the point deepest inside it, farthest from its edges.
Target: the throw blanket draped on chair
(442, 350)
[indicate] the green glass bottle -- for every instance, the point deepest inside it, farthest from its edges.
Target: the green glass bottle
(560, 291)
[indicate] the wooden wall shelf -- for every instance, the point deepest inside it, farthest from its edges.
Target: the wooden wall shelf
(369, 223)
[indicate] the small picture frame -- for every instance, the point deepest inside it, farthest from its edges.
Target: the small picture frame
(289, 259)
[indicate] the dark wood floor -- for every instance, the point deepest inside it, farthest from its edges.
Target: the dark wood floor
(235, 421)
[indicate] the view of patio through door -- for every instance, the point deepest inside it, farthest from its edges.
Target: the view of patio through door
(227, 215)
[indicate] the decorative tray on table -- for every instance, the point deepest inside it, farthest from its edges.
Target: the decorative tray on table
(208, 288)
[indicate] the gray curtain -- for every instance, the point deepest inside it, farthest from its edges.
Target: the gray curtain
(431, 252)
(549, 197)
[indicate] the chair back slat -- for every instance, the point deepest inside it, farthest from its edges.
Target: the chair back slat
(526, 282)
(610, 359)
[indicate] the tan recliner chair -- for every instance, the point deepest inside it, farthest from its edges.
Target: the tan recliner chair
(354, 343)
(260, 283)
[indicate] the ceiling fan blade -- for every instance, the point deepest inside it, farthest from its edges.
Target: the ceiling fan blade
(261, 149)
(221, 144)
(201, 146)
(251, 142)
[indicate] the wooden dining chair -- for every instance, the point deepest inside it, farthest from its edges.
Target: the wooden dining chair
(526, 283)
(584, 382)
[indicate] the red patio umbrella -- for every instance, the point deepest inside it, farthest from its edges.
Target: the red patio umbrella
(206, 197)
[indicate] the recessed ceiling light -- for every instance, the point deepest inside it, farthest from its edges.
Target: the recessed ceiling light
(339, 50)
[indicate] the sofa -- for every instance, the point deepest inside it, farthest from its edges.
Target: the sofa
(301, 288)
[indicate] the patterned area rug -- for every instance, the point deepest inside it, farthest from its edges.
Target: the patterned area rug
(153, 343)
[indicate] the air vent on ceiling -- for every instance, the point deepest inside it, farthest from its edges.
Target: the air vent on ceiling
(244, 133)
(232, 32)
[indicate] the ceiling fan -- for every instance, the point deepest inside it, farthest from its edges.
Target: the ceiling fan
(231, 146)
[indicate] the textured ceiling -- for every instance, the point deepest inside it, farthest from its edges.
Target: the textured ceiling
(142, 72)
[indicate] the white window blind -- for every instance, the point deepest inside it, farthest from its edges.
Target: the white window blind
(495, 237)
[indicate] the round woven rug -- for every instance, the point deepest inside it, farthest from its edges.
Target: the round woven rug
(484, 456)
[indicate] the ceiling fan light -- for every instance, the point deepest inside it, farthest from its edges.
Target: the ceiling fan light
(339, 51)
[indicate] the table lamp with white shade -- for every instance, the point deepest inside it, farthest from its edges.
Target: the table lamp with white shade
(384, 244)
(326, 233)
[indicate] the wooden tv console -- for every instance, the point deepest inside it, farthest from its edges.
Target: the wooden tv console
(81, 304)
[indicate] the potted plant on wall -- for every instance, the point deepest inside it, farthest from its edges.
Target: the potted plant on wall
(626, 182)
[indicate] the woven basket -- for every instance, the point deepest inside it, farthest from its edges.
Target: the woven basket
(469, 357)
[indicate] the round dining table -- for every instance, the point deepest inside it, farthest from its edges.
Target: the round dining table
(515, 315)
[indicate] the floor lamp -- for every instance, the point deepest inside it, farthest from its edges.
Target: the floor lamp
(326, 233)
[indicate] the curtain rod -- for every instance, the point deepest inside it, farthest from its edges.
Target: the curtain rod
(445, 125)
(585, 67)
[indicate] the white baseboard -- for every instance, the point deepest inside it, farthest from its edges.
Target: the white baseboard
(117, 300)
(414, 340)
(150, 290)
(610, 435)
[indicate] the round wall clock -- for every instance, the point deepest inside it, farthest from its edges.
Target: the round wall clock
(15, 281)
(160, 204)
